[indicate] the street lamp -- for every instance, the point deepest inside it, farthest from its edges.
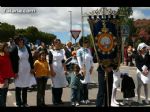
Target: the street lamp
(70, 24)
(122, 15)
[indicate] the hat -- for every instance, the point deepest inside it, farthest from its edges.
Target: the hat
(141, 46)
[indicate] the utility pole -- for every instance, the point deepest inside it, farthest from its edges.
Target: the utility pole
(70, 24)
(82, 17)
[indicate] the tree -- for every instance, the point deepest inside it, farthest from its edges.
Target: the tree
(32, 34)
(6, 31)
(124, 13)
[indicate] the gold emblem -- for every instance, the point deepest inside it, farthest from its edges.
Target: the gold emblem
(105, 40)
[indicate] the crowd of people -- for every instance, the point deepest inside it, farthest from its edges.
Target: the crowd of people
(67, 67)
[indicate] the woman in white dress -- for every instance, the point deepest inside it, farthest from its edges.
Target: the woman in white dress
(58, 72)
(85, 61)
(142, 60)
(22, 63)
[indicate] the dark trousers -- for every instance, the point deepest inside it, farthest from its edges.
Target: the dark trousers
(3, 96)
(75, 95)
(56, 95)
(102, 90)
(21, 96)
(84, 92)
(41, 87)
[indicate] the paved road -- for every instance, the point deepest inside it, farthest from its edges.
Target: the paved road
(66, 92)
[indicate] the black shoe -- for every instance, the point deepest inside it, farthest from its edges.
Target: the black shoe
(19, 106)
(42, 105)
(61, 102)
(56, 103)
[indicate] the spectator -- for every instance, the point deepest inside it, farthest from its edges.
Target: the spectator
(11, 44)
(42, 47)
(22, 63)
(69, 64)
(76, 85)
(68, 50)
(41, 69)
(142, 60)
(58, 71)
(85, 61)
(130, 56)
(6, 72)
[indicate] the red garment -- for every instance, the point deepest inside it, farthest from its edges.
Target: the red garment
(125, 53)
(6, 70)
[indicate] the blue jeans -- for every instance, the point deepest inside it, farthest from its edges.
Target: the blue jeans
(102, 90)
(75, 95)
(3, 96)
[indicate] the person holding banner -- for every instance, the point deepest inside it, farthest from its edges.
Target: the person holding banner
(6, 72)
(142, 60)
(106, 52)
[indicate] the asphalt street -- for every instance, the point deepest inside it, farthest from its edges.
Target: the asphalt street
(93, 89)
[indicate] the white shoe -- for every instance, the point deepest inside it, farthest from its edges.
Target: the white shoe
(73, 103)
(82, 101)
(87, 101)
(140, 101)
(116, 102)
(124, 102)
(77, 104)
(114, 105)
(146, 101)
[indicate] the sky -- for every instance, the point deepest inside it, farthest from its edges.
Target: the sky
(56, 20)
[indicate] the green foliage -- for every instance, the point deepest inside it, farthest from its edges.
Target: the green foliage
(6, 31)
(31, 33)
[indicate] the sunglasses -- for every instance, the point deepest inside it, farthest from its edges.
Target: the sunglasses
(57, 41)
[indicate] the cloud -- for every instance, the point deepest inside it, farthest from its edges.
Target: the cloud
(55, 19)
(139, 14)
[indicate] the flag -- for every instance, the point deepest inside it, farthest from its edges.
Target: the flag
(96, 26)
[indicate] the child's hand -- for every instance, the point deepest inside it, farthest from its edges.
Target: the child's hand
(83, 72)
(32, 71)
(65, 72)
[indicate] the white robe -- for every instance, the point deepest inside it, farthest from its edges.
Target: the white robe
(85, 58)
(25, 78)
(144, 79)
(116, 79)
(59, 80)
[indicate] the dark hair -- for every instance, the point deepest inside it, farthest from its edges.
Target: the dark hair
(2, 46)
(75, 66)
(56, 40)
(83, 40)
(18, 38)
(40, 53)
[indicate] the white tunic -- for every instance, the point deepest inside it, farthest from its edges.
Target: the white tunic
(116, 79)
(25, 78)
(144, 79)
(85, 58)
(59, 80)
